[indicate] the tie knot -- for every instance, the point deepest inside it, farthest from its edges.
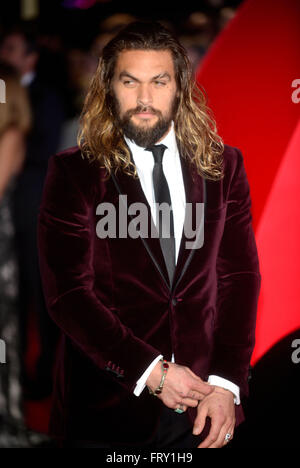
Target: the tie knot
(158, 152)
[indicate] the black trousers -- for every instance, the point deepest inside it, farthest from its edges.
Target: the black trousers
(174, 431)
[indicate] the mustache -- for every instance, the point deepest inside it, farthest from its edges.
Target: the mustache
(141, 109)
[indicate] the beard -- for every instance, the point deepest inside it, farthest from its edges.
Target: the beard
(143, 136)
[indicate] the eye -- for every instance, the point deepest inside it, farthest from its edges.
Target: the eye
(160, 83)
(129, 83)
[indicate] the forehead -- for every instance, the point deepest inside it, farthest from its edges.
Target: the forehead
(145, 63)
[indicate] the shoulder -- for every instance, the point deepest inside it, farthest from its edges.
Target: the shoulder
(232, 157)
(235, 185)
(234, 176)
(233, 163)
(73, 161)
(74, 168)
(69, 156)
(12, 133)
(11, 140)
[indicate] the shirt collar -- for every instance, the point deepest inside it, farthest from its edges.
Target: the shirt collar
(27, 79)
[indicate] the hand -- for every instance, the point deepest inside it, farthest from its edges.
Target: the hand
(219, 407)
(181, 386)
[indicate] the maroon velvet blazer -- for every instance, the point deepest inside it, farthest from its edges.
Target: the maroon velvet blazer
(111, 299)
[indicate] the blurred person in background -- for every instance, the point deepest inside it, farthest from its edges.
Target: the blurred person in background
(14, 125)
(196, 34)
(225, 16)
(81, 67)
(19, 49)
(108, 28)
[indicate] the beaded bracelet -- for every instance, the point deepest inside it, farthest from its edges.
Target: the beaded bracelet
(164, 367)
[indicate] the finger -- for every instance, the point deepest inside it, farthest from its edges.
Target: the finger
(181, 407)
(229, 431)
(202, 388)
(174, 399)
(195, 395)
(199, 385)
(217, 423)
(188, 402)
(220, 442)
(191, 398)
(200, 420)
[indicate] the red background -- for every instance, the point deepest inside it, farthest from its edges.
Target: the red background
(247, 75)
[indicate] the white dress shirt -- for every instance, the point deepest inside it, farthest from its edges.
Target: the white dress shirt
(144, 162)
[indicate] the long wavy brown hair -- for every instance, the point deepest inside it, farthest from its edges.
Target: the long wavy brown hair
(101, 140)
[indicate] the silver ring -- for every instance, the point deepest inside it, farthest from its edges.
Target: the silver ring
(227, 437)
(179, 410)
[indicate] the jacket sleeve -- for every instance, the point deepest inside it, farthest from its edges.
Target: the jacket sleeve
(239, 282)
(66, 263)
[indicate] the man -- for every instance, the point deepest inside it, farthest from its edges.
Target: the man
(123, 301)
(19, 49)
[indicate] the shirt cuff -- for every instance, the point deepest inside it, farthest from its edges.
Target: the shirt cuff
(141, 383)
(224, 383)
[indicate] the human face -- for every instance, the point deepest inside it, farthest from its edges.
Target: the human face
(13, 51)
(144, 94)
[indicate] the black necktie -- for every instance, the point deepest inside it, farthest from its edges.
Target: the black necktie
(162, 195)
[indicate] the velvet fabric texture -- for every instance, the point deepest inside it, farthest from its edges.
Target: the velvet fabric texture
(111, 299)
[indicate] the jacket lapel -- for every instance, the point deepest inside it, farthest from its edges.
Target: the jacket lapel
(127, 185)
(194, 191)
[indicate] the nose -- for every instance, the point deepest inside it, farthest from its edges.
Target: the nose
(144, 96)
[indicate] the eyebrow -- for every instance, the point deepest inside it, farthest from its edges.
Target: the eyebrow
(164, 75)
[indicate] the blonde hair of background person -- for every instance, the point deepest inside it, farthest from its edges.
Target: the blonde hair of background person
(15, 120)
